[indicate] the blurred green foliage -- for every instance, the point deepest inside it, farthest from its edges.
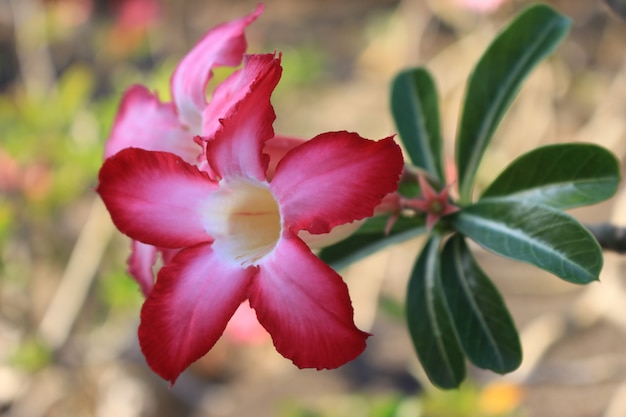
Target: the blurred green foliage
(32, 355)
(379, 405)
(60, 133)
(119, 291)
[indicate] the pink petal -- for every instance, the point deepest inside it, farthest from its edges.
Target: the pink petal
(232, 90)
(419, 204)
(244, 328)
(140, 262)
(168, 254)
(335, 178)
(426, 189)
(391, 221)
(188, 309)
(449, 208)
(431, 220)
(155, 197)
(305, 306)
(276, 148)
(236, 149)
(144, 122)
(223, 45)
(390, 204)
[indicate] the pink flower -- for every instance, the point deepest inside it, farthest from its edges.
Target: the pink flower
(237, 230)
(143, 121)
(435, 205)
(137, 13)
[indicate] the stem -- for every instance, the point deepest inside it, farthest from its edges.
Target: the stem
(81, 269)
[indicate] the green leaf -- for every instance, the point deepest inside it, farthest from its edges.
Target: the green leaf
(429, 321)
(561, 176)
(533, 233)
(497, 78)
(415, 109)
(369, 239)
(377, 225)
(485, 328)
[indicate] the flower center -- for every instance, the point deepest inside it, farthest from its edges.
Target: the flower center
(244, 219)
(435, 207)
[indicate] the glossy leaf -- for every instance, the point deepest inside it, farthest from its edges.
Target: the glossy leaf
(369, 239)
(485, 328)
(533, 233)
(561, 176)
(415, 108)
(429, 321)
(497, 78)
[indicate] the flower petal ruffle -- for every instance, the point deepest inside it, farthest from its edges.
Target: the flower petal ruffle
(188, 309)
(335, 178)
(223, 45)
(305, 307)
(236, 150)
(233, 89)
(155, 197)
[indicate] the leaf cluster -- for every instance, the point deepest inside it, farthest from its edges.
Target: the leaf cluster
(453, 310)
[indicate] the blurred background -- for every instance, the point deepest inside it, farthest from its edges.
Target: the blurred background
(69, 312)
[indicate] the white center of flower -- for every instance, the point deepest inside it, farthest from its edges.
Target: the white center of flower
(244, 219)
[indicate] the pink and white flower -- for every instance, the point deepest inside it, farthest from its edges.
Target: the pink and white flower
(236, 230)
(143, 121)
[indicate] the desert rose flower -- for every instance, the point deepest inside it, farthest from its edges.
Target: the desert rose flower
(143, 121)
(237, 232)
